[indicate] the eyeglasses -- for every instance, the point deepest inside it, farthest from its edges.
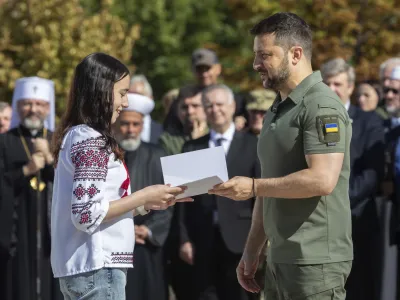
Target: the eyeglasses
(387, 90)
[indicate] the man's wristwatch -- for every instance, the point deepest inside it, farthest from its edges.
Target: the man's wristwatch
(142, 211)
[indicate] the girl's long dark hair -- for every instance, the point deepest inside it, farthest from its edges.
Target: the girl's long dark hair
(91, 99)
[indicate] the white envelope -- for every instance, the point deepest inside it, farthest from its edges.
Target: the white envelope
(198, 170)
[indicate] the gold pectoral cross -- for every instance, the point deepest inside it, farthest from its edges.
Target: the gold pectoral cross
(34, 184)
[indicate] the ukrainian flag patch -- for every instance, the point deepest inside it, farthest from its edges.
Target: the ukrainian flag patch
(331, 127)
(328, 129)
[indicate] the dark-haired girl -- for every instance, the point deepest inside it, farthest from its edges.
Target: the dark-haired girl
(92, 225)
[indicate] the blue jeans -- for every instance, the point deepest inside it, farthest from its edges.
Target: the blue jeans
(103, 284)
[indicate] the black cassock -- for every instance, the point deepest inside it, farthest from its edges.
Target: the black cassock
(18, 219)
(146, 281)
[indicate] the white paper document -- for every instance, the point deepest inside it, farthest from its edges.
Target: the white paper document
(198, 170)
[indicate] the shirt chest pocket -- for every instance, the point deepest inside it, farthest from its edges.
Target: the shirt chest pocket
(287, 135)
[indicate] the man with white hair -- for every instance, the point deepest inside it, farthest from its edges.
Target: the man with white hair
(26, 177)
(392, 102)
(385, 73)
(151, 129)
(5, 116)
(391, 189)
(146, 280)
(386, 70)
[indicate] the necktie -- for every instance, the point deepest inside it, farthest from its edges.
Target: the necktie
(219, 141)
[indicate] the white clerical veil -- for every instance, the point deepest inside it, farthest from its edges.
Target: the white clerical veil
(34, 88)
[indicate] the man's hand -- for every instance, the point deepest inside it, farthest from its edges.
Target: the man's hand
(240, 122)
(246, 272)
(42, 145)
(199, 128)
(237, 188)
(141, 234)
(35, 164)
(186, 253)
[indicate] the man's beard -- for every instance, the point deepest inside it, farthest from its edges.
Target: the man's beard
(130, 144)
(393, 111)
(32, 124)
(276, 82)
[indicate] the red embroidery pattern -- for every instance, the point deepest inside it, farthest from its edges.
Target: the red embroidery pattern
(85, 217)
(83, 209)
(122, 257)
(92, 190)
(80, 191)
(90, 158)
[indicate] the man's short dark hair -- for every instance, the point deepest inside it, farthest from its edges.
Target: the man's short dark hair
(188, 91)
(289, 29)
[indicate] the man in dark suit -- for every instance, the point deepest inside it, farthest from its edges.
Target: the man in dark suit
(151, 129)
(367, 168)
(214, 229)
(391, 189)
(147, 279)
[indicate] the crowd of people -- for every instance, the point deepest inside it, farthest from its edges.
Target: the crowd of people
(191, 250)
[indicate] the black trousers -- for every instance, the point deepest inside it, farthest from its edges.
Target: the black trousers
(214, 273)
(364, 279)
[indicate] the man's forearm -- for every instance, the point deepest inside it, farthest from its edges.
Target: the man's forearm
(302, 184)
(257, 237)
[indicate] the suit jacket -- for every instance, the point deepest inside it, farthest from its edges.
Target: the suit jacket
(234, 217)
(366, 157)
(144, 167)
(392, 136)
(156, 129)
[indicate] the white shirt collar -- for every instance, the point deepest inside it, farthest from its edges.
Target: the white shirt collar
(395, 122)
(227, 135)
(347, 105)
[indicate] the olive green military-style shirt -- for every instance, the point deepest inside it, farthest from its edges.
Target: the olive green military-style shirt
(316, 230)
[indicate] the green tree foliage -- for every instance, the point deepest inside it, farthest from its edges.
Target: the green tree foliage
(48, 38)
(169, 31)
(364, 32)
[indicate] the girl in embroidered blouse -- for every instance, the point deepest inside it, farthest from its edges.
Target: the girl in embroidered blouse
(92, 225)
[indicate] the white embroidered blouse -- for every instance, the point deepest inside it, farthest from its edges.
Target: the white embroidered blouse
(87, 178)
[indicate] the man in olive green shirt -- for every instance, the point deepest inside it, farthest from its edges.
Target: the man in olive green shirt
(303, 207)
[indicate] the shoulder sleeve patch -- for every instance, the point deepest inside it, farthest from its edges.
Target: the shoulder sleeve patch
(328, 129)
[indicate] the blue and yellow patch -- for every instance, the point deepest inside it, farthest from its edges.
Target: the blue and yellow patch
(331, 127)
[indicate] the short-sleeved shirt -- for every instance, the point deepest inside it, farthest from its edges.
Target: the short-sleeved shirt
(316, 230)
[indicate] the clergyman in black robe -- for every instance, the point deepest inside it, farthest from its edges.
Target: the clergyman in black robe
(24, 152)
(146, 281)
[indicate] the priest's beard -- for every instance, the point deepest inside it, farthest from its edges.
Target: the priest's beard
(277, 81)
(33, 124)
(130, 144)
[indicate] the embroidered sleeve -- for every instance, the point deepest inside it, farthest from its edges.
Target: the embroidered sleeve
(90, 160)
